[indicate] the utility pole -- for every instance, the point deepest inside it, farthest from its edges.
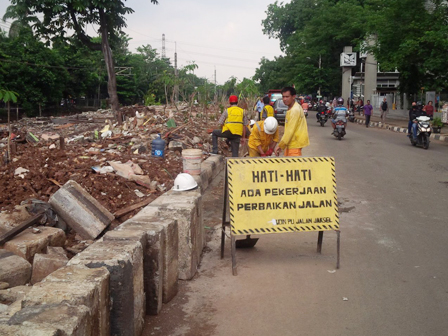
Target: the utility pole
(176, 75)
(320, 75)
(215, 83)
(163, 46)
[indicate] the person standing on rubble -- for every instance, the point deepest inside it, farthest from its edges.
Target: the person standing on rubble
(296, 129)
(233, 123)
(268, 110)
(263, 138)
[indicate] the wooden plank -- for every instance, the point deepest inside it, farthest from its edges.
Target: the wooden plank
(21, 227)
(124, 211)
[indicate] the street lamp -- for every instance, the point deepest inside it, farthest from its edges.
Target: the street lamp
(320, 66)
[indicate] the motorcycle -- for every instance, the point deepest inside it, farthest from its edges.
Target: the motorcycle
(423, 133)
(322, 118)
(351, 116)
(339, 131)
(306, 113)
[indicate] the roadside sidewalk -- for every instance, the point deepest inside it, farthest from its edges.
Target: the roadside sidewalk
(398, 125)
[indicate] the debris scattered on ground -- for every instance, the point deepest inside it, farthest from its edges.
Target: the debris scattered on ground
(111, 162)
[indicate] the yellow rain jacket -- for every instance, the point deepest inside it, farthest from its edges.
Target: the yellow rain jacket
(259, 138)
(234, 121)
(268, 111)
(296, 129)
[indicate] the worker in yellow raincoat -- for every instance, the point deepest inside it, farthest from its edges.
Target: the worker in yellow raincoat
(268, 110)
(296, 129)
(263, 137)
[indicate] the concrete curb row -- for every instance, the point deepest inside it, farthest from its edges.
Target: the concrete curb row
(108, 288)
(399, 129)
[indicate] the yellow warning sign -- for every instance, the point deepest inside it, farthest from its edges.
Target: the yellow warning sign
(277, 195)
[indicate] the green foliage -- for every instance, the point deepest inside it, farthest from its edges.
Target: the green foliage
(150, 99)
(437, 122)
(8, 96)
(309, 30)
(411, 36)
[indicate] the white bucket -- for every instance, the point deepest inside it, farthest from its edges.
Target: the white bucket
(192, 159)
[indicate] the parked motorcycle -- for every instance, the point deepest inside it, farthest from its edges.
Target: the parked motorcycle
(322, 118)
(423, 133)
(339, 131)
(351, 115)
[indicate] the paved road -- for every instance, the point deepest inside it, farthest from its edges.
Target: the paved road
(394, 266)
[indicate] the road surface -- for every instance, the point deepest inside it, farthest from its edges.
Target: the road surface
(393, 278)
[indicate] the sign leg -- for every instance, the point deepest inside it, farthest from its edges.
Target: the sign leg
(338, 264)
(223, 240)
(320, 238)
(234, 267)
(224, 214)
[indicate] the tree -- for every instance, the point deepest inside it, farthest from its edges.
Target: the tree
(60, 17)
(310, 30)
(411, 36)
(8, 97)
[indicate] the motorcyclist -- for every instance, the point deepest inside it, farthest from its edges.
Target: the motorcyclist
(339, 113)
(411, 117)
(418, 112)
(320, 108)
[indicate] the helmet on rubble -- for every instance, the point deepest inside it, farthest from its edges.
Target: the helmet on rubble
(233, 99)
(270, 125)
(184, 182)
(340, 101)
(252, 122)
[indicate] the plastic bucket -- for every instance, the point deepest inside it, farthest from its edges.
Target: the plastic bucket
(192, 159)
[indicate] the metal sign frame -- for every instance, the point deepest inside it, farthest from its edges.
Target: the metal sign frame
(229, 203)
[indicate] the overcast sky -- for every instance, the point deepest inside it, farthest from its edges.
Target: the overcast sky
(223, 34)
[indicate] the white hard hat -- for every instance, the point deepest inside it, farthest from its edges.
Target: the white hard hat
(184, 182)
(270, 125)
(252, 122)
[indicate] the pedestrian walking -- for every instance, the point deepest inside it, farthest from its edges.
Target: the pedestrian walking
(263, 138)
(259, 107)
(296, 129)
(367, 108)
(233, 122)
(429, 109)
(384, 109)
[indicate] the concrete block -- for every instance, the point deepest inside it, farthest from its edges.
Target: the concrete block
(13, 297)
(77, 286)
(56, 250)
(124, 261)
(45, 264)
(80, 211)
(67, 320)
(7, 330)
(207, 170)
(133, 236)
(27, 243)
(217, 162)
(14, 270)
(186, 208)
(161, 259)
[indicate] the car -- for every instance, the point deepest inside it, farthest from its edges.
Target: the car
(280, 110)
(274, 97)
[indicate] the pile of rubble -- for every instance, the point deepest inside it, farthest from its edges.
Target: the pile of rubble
(63, 169)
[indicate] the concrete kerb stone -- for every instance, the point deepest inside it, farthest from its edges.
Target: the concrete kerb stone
(65, 319)
(160, 259)
(8, 330)
(27, 243)
(186, 208)
(14, 270)
(77, 286)
(45, 264)
(80, 210)
(124, 261)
